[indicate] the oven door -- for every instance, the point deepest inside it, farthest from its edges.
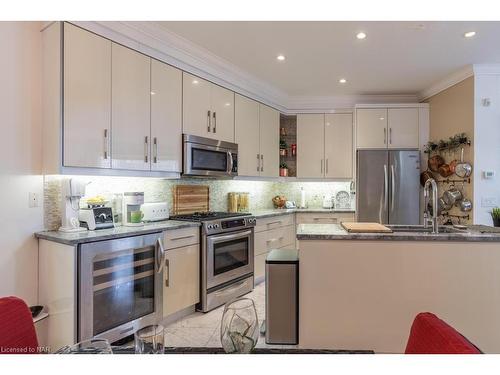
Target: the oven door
(120, 286)
(212, 158)
(229, 256)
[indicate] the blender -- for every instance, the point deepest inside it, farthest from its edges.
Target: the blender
(132, 214)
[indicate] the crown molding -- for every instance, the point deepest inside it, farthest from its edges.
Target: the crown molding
(486, 69)
(154, 40)
(447, 82)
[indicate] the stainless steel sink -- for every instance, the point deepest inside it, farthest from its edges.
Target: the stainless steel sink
(421, 229)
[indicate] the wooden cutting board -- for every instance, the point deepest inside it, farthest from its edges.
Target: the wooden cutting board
(365, 227)
(190, 198)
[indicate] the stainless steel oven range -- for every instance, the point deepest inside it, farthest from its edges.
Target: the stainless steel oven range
(119, 286)
(227, 256)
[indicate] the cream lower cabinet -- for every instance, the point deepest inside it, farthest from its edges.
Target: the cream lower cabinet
(181, 288)
(272, 233)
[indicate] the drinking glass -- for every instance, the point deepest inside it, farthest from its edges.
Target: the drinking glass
(92, 346)
(240, 326)
(150, 340)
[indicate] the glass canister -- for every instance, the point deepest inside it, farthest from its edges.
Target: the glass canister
(232, 202)
(243, 202)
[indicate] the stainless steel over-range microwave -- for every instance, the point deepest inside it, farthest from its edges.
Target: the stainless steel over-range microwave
(209, 157)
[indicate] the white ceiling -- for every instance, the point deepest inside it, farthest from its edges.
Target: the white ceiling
(395, 58)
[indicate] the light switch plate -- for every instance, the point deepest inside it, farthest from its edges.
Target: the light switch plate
(488, 202)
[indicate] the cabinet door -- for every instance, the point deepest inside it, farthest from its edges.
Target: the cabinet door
(182, 278)
(130, 121)
(166, 117)
(403, 127)
(310, 145)
(371, 128)
(246, 134)
(87, 99)
(338, 145)
(269, 141)
(222, 104)
(196, 106)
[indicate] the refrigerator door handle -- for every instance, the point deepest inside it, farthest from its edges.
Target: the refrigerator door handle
(393, 186)
(386, 187)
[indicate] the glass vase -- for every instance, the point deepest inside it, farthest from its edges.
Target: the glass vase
(240, 326)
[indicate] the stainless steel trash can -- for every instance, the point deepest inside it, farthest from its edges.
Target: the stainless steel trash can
(282, 297)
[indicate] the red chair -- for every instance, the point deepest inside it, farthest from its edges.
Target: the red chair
(431, 335)
(17, 331)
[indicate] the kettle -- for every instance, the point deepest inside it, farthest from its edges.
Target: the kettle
(327, 201)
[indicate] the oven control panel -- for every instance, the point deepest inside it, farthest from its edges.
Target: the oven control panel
(228, 225)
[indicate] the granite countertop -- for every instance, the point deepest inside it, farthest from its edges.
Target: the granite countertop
(109, 234)
(337, 232)
(277, 212)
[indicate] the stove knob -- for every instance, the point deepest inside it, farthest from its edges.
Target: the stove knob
(210, 226)
(216, 226)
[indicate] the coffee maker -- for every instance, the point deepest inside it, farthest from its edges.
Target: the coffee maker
(132, 214)
(73, 190)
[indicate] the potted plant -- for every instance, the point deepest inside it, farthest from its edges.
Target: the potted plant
(284, 171)
(283, 147)
(495, 215)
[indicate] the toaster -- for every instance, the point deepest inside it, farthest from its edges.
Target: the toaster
(155, 211)
(96, 218)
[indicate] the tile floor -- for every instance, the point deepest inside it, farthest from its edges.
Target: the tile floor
(203, 329)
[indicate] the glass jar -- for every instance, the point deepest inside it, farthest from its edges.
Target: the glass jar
(239, 330)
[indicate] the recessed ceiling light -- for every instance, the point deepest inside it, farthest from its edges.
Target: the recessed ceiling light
(469, 34)
(342, 80)
(361, 35)
(195, 82)
(280, 57)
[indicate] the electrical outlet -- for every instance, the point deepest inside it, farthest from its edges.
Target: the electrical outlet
(488, 202)
(32, 200)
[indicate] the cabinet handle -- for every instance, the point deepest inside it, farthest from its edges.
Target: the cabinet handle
(155, 150)
(261, 163)
(145, 149)
(274, 222)
(385, 136)
(167, 267)
(105, 144)
(258, 162)
(390, 136)
(182, 238)
(208, 120)
(215, 123)
(321, 165)
(326, 166)
(275, 239)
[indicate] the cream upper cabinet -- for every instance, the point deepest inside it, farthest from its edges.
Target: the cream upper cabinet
(87, 99)
(130, 124)
(246, 134)
(208, 109)
(371, 127)
(222, 101)
(196, 111)
(403, 128)
(310, 146)
(269, 141)
(182, 278)
(338, 145)
(166, 117)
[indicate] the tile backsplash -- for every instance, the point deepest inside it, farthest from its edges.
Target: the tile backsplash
(157, 189)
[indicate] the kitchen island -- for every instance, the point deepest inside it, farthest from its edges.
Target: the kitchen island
(364, 290)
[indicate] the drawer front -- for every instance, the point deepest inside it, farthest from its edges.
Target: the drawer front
(274, 222)
(260, 264)
(181, 237)
(274, 239)
(324, 218)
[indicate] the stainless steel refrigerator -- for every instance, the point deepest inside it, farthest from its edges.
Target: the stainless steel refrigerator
(388, 186)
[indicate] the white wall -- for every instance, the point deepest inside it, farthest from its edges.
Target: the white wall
(487, 144)
(20, 157)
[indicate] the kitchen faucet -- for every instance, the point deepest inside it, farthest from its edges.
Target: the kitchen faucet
(431, 183)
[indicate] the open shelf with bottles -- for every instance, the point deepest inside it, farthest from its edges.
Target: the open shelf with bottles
(288, 145)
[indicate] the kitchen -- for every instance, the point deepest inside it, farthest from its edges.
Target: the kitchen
(145, 159)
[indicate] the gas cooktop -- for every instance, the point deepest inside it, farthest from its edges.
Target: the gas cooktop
(208, 215)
